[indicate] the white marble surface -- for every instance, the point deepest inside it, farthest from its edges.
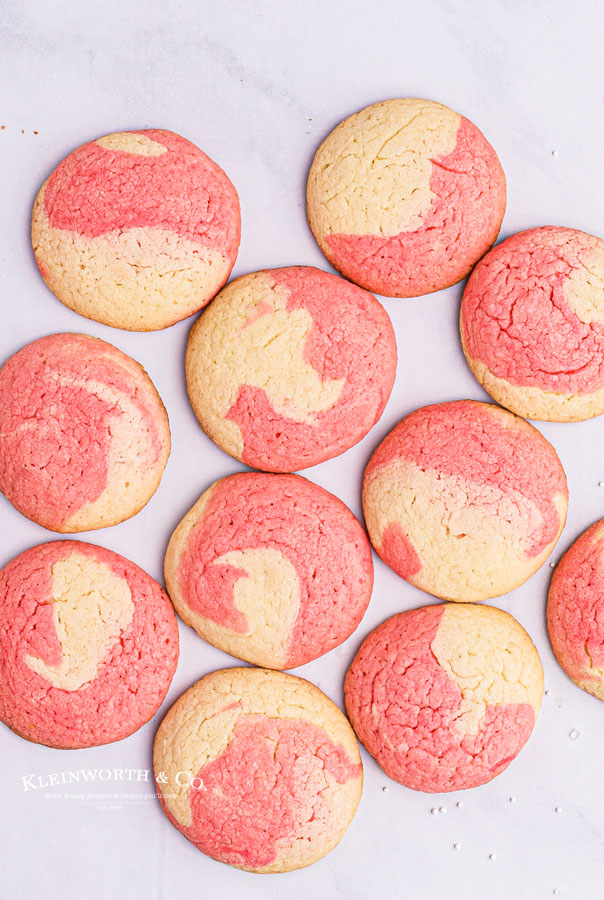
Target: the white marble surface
(258, 86)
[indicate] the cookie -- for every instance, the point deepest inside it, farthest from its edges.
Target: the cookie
(88, 645)
(270, 568)
(84, 436)
(575, 611)
(290, 367)
(258, 769)
(532, 324)
(405, 196)
(137, 229)
(445, 697)
(464, 500)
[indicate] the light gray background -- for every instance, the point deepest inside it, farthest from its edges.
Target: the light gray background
(257, 86)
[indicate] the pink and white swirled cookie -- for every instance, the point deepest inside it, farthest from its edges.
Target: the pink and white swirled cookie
(445, 697)
(289, 367)
(270, 568)
(464, 500)
(258, 769)
(575, 611)
(405, 196)
(137, 229)
(532, 324)
(88, 645)
(84, 436)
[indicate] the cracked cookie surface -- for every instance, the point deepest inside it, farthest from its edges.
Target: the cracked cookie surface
(88, 645)
(465, 500)
(138, 229)
(258, 769)
(290, 367)
(532, 324)
(444, 697)
(270, 568)
(405, 196)
(84, 436)
(575, 611)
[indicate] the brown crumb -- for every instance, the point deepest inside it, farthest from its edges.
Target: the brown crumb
(36, 132)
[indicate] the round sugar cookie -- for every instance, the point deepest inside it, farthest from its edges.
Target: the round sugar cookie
(464, 500)
(445, 697)
(270, 568)
(84, 436)
(88, 645)
(575, 611)
(405, 196)
(290, 367)
(258, 769)
(532, 324)
(137, 229)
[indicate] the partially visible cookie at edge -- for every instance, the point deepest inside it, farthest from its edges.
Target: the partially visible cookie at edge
(532, 324)
(88, 645)
(575, 611)
(84, 435)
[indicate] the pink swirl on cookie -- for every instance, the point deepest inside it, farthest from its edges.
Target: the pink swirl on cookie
(84, 436)
(242, 827)
(310, 367)
(445, 697)
(464, 500)
(575, 611)
(405, 196)
(88, 645)
(532, 323)
(270, 568)
(261, 770)
(136, 229)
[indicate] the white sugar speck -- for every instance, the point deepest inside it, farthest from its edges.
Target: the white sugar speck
(552, 565)
(459, 804)
(434, 811)
(443, 809)
(456, 846)
(548, 693)
(492, 856)
(385, 789)
(512, 799)
(574, 734)
(558, 809)
(554, 153)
